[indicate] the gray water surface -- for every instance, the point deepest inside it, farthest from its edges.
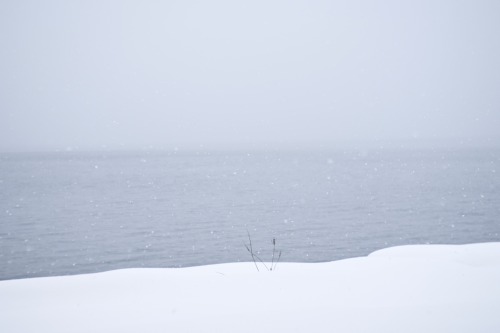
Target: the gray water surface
(71, 213)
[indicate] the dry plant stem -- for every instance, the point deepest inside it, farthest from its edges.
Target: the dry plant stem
(254, 256)
(276, 264)
(262, 262)
(274, 250)
(251, 251)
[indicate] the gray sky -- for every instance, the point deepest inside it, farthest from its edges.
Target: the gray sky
(137, 74)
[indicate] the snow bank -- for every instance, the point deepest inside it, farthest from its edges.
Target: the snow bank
(431, 288)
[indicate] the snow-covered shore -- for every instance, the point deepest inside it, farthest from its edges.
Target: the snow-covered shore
(425, 288)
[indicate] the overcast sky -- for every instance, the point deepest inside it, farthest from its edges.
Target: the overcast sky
(138, 74)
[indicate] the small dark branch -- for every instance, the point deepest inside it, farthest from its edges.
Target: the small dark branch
(274, 250)
(276, 264)
(255, 257)
(263, 263)
(250, 249)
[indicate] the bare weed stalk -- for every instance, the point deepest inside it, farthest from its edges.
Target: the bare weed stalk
(255, 256)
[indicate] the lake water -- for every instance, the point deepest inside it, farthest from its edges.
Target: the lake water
(71, 213)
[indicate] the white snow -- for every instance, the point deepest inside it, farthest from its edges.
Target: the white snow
(425, 288)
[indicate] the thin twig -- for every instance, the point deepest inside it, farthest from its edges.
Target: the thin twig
(251, 250)
(274, 250)
(253, 256)
(279, 256)
(263, 263)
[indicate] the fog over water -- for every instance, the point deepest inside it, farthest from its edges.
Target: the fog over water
(87, 75)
